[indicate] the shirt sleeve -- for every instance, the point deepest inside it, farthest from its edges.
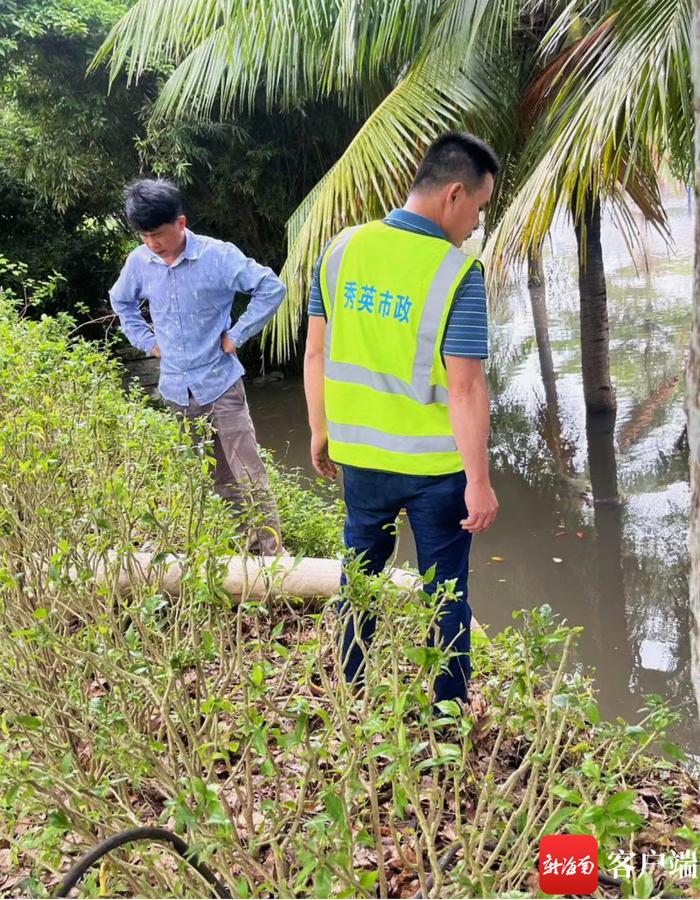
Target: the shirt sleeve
(466, 334)
(246, 276)
(316, 307)
(125, 297)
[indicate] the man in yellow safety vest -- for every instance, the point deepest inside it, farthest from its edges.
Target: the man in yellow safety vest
(395, 385)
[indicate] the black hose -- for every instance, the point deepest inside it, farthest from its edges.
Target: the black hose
(443, 865)
(159, 835)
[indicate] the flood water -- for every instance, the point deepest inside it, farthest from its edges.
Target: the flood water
(593, 516)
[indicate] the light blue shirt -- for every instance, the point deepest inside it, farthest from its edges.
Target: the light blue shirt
(190, 305)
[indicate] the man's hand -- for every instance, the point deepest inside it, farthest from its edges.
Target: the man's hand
(155, 351)
(322, 462)
(227, 344)
(482, 507)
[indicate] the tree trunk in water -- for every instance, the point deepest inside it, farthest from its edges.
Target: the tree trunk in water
(693, 396)
(552, 419)
(595, 363)
(612, 636)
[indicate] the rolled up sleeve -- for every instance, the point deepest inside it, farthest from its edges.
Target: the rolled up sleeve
(125, 297)
(267, 292)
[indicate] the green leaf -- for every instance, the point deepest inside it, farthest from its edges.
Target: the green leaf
(623, 800)
(31, 723)
(592, 712)
(368, 879)
(557, 819)
(444, 759)
(59, 820)
(322, 882)
(562, 701)
(591, 769)
(673, 750)
(400, 800)
(560, 790)
(450, 708)
(634, 730)
(644, 886)
(426, 657)
(333, 805)
(241, 889)
(689, 834)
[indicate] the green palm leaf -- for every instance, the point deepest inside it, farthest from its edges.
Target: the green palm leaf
(620, 104)
(373, 174)
(154, 32)
(225, 52)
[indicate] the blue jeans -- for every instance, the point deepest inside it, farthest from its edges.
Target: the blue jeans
(435, 505)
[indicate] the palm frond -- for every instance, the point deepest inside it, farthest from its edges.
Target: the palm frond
(370, 37)
(224, 52)
(373, 175)
(156, 31)
(461, 23)
(633, 85)
(623, 99)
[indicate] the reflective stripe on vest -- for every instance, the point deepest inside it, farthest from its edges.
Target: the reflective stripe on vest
(382, 440)
(419, 389)
(385, 380)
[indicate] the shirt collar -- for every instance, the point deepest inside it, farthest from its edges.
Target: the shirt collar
(403, 218)
(191, 251)
(192, 247)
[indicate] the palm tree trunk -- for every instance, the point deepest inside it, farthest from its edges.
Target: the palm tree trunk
(552, 419)
(610, 625)
(538, 301)
(602, 460)
(595, 363)
(693, 398)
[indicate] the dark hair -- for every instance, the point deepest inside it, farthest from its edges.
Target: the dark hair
(455, 156)
(152, 202)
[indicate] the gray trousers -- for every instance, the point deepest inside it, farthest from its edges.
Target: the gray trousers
(239, 474)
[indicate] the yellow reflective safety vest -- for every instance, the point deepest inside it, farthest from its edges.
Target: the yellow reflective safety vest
(387, 294)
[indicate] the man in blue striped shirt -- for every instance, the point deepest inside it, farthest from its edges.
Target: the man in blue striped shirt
(452, 186)
(467, 331)
(190, 282)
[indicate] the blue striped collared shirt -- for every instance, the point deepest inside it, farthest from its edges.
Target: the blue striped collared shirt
(190, 305)
(467, 325)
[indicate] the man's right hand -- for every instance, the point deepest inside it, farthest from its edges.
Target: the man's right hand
(155, 351)
(322, 462)
(482, 507)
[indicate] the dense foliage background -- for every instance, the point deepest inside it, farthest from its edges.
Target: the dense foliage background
(69, 144)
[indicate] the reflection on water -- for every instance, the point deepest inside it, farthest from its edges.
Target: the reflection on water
(593, 510)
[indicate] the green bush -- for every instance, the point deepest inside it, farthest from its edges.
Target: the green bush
(229, 720)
